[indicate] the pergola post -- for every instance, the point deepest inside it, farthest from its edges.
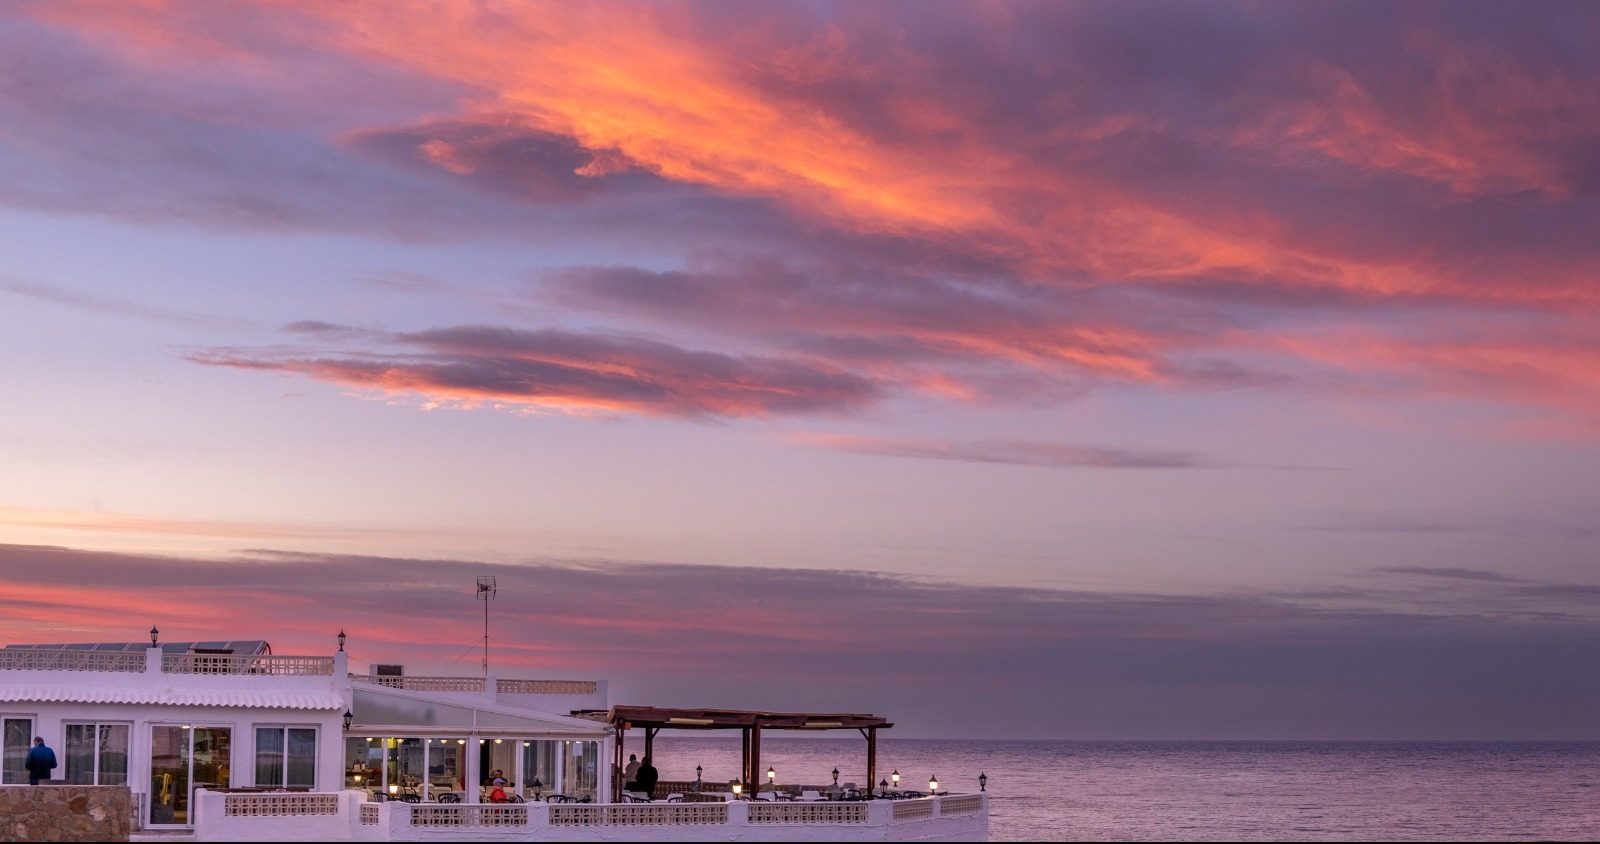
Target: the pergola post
(744, 755)
(616, 764)
(872, 758)
(754, 783)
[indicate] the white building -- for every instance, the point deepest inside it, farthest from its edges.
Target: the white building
(237, 743)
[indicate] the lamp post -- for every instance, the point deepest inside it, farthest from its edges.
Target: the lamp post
(737, 787)
(154, 636)
(835, 776)
(983, 782)
(341, 640)
(896, 777)
(933, 785)
(538, 788)
(883, 788)
(772, 776)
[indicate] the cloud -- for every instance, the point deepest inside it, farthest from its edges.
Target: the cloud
(1012, 452)
(981, 203)
(471, 366)
(1452, 573)
(932, 655)
(92, 303)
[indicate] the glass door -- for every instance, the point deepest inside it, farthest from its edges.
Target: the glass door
(17, 740)
(181, 760)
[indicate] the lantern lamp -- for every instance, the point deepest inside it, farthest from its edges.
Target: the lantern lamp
(983, 782)
(348, 717)
(933, 785)
(835, 776)
(896, 777)
(772, 775)
(341, 640)
(154, 635)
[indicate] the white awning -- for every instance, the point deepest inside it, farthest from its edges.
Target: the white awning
(241, 699)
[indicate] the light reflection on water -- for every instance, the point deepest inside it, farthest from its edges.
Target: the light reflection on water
(1248, 791)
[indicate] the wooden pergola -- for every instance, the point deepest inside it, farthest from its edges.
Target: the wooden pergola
(653, 719)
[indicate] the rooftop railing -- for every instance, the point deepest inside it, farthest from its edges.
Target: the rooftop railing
(422, 684)
(546, 687)
(280, 666)
(33, 659)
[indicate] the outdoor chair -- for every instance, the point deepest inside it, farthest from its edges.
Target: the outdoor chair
(449, 797)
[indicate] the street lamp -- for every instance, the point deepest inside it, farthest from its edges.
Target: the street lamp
(933, 785)
(835, 776)
(737, 788)
(983, 782)
(896, 777)
(341, 640)
(154, 634)
(772, 775)
(883, 788)
(698, 774)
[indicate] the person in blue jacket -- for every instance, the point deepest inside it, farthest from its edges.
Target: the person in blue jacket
(41, 761)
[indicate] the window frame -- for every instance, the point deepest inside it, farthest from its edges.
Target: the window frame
(94, 778)
(282, 729)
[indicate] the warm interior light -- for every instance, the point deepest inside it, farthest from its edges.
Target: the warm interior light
(499, 741)
(394, 789)
(461, 741)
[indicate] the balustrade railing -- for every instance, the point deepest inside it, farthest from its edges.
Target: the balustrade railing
(39, 659)
(282, 666)
(546, 687)
(277, 805)
(422, 684)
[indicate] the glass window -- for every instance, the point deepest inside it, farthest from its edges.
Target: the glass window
(404, 766)
(363, 764)
(16, 736)
(286, 757)
(269, 756)
(97, 754)
(582, 773)
(112, 760)
(539, 768)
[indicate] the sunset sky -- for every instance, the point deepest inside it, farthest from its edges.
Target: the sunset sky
(1062, 369)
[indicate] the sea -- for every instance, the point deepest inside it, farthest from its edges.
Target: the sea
(1212, 791)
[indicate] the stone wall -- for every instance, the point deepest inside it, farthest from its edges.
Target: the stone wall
(65, 813)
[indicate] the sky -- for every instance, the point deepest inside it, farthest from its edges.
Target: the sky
(1095, 370)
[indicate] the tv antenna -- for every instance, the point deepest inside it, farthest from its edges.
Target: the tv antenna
(486, 590)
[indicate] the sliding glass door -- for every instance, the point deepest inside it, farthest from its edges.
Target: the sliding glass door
(184, 758)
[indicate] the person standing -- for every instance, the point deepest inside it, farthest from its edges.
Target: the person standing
(630, 772)
(41, 761)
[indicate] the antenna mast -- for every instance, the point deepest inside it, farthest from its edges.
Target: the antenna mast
(486, 590)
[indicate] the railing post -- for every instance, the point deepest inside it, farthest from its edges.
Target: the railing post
(152, 660)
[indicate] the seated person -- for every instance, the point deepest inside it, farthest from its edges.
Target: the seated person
(495, 787)
(645, 780)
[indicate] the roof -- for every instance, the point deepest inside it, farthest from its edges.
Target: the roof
(175, 697)
(733, 719)
(380, 707)
(242, 647)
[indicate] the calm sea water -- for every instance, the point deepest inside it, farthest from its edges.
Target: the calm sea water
(1213, 791)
